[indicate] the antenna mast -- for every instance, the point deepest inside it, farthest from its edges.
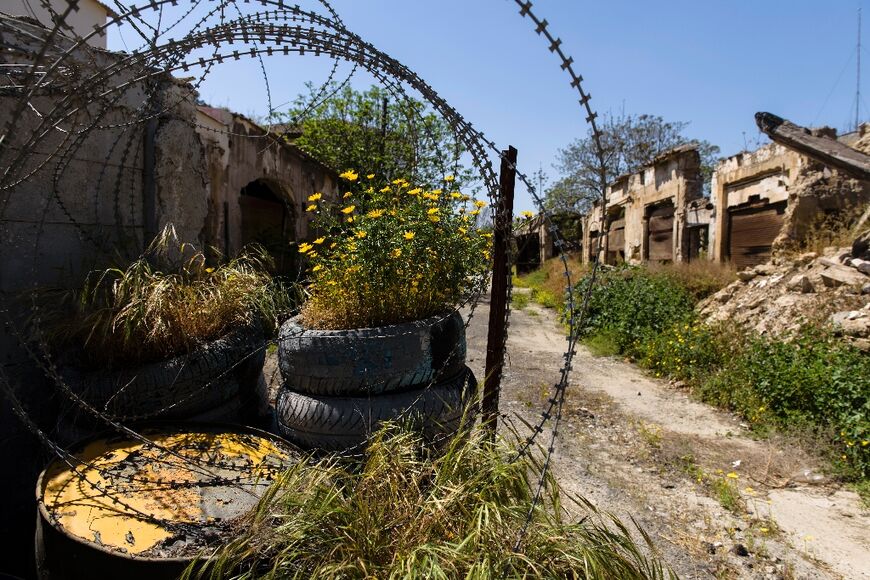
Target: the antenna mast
(858, 84)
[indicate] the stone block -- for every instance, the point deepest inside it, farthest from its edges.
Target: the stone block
(801, 283)
(835, 276)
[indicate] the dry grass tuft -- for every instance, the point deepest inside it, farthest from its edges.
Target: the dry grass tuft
(700, 278)
(405, 514)
(163, 304)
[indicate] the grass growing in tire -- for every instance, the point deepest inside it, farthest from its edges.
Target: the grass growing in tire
(164, 304)
(403, 514)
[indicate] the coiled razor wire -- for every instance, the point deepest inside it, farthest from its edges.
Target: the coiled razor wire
(278, 29)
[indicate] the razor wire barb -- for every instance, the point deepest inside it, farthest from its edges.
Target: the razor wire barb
(56, 66)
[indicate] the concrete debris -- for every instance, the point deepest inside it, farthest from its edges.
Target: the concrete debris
(779, 297)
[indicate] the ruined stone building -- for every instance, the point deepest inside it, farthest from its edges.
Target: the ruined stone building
(656, 214)
(85, 188)
(772, 197)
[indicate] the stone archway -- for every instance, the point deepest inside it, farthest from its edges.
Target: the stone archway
(268, 218)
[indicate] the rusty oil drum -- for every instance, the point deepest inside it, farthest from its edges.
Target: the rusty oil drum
(134, 510)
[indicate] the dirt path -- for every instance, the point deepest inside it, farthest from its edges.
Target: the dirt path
(716, 502)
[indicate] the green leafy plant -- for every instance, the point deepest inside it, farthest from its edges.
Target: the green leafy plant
(406, 514)
(633, 305)
(163, 304)
(392, 254)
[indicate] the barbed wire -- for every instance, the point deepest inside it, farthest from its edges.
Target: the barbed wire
(74, 91)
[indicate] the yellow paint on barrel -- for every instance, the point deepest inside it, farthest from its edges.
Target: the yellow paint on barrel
(118, 495)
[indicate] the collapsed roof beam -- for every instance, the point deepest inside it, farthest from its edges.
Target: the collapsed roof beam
(826, 150)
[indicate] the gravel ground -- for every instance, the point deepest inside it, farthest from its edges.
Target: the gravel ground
(640, 448)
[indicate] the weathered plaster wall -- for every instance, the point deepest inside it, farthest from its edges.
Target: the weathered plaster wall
(239, 152)
(762, 175)
(674, 177)
(82, 21)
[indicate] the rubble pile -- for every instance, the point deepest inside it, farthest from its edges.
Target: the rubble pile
(780, 296)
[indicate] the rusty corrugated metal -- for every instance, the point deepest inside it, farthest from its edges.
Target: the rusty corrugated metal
(660, 238)
(751, 232)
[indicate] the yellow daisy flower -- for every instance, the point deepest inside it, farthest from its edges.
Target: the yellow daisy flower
(315, 196)
(409, 235)
(348, 209)
(349, 175)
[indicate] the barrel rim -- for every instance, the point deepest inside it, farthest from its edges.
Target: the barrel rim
(190, 427)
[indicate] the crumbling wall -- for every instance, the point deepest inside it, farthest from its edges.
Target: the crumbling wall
(239, 152)
(658, 196)
(818, 192)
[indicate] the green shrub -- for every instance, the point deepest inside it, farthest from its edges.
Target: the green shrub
(813, 379)
(810, 380)
(634, 305)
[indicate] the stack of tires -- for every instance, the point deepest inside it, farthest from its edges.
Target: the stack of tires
(216, 382)
(339, 386)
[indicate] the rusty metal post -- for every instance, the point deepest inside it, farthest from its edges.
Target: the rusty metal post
(495, 342)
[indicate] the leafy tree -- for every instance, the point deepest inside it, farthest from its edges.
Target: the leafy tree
(629, 142)
(372, 132)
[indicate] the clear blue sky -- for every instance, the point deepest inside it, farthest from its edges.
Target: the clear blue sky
(713, 64)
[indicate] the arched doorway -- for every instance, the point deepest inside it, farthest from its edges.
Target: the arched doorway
(269, 219)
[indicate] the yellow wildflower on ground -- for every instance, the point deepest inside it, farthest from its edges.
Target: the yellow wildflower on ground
(436, 192)
(350, 220)
(527, 214)
(332, 245)
(432, 210)
(414, 191)
(311, 207)
(346, 195)
(209, 270)
(463, 230)
(348, 209)
(316, 268)
(409, 235)
(305, 247)
(455, 194)
(732, 475)
(370, 176)
(361, 234)
(475, 212)
(319, 240)
(375, 213)
(349, 175)
(434, 218)
(396, 253)
(449, 178)
(315, 196)
(385, 189)
(479, 204)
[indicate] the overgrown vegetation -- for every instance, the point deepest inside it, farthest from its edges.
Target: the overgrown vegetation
(164, 304)
(406, 514)
(547, 284)
(392, 254)
(808, 380)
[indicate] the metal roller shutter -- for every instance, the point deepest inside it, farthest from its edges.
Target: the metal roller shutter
(660, 239)
(751, 232)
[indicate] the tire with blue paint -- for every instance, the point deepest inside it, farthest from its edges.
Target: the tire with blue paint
(371, 361)
(345, 424)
